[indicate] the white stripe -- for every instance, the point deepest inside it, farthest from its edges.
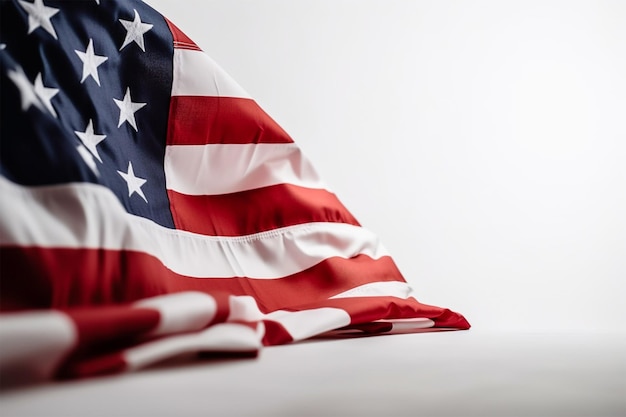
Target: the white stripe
(378, 289)
(90, 216)
(243, 308)
(33, 344)
(410, 325)
(223, 337)
(299, 324)
(181, 312)
(222, 169)
(196, 74)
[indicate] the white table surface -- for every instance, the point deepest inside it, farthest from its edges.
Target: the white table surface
(469, 373)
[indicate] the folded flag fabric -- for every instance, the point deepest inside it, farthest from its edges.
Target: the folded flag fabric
(150, 208)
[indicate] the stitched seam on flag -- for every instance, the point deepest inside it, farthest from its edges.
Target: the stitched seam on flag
(302, 228)
(76, 188)
(309, 244)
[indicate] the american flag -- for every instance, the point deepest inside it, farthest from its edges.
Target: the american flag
(151, 208)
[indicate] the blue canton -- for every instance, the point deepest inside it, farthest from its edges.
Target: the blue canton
(85, 98)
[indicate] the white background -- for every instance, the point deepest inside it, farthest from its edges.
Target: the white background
(484, 141)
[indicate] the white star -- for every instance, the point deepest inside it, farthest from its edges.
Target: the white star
(39, 16)
(45, 94)
(135, 31)
(128, 109)
(3, 46)
(90, 139)
(134, 183)
(91, 62)
(88, 158)
(27, 90)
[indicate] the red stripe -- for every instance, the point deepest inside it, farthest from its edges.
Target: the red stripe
(101, 326)
(199, 120)
(181, 40)
(105, 329)
(98, 365)
(275, 334)
(258, 210)
(80, 277)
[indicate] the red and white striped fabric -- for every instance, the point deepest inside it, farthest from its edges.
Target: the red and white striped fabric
(262, 252)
